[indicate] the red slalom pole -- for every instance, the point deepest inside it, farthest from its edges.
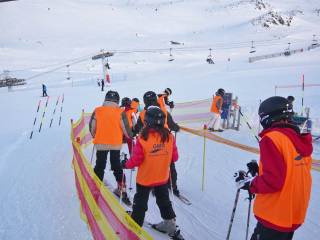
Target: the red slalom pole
(54, 111)
(61, 109)
(35, 118)
(44, 112)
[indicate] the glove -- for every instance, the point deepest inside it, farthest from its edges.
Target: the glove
(171, 104)
(253, 168)
(123, 164)
(242, 180)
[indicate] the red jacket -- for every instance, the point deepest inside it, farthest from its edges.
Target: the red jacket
(274, 167)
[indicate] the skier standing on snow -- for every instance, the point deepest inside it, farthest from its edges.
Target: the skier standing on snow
(216, 109)
(126, 106)
(44, 91)
(107, 126)
(283, 185)
(150, 99)
(153, 153)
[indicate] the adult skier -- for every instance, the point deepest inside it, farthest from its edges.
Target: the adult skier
(150, 99)
(216, 109)
(153, 153)
(44, 91)
(163, 99)
(107, 125)
(283, 185)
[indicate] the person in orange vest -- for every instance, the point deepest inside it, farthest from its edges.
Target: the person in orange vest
(153, 153)
(283, 184)
(150, 99)
(126, 106)
(216, 109)
(107, 126)
(163, 99)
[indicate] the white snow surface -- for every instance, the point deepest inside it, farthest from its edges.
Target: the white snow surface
(37, 191)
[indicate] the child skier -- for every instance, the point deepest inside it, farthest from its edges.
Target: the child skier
(153, 153)
(216, 109)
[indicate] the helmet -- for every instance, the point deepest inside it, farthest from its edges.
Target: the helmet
(112, 96)
(154, 117)
(168, 91)
(135, 99)
(290, 99)
(220, 92)
(274, 109)
(150, 98)
(125, 102)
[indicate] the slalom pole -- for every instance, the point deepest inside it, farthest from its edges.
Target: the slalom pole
(204, 154)
(35, 118)
(249, 126)
(44, 112)
(61, 109)
(54, 111)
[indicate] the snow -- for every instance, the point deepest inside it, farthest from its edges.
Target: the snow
(38, 195)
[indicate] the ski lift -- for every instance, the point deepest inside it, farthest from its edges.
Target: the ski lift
(171, 56)
(107, 65)
(68, 72)
(287, 51)
(314, 41)
(210, 58)
(253, 48)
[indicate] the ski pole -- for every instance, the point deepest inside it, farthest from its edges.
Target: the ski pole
(44, 112)
(54, 111)
(35, 119)
(131, 170)
(249, 211)
(249, 126)
(204, 154)
(61, 109)
(233, 213)
(123, 179)
(92, 153)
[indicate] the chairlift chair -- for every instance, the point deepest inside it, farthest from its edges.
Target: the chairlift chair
(253, 48)
(287, 51)
(210, 58)
(314, 41)
(171, 56)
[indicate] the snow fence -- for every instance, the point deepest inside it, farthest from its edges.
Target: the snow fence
(106, 218)
(216, 138)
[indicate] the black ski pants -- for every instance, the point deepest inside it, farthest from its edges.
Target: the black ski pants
(140, 202)
(174, 177)
(263, 233)
(101, 163)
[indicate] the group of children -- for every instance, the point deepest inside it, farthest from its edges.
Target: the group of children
(152, 148)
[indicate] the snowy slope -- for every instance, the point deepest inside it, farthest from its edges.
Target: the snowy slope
(38, 194)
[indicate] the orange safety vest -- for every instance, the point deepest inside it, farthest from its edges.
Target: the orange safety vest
(155, 167)
(161, 101)
(108, 125)
(214, 104)
(143, 113)
(287, 207)
(129, 116)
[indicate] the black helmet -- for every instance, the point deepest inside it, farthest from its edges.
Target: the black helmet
(220, 92)
(290, 99)
(274, 109)
(112, 96)
(168, 91)
(150, 98)
(135, 99)
(125, 102)
(154, 117)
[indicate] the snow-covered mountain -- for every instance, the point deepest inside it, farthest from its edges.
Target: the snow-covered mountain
(39, 38)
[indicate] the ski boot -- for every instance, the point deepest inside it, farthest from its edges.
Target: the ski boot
(121, 193)
(166, 226)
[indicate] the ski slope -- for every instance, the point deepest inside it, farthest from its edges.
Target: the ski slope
(38, 195)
